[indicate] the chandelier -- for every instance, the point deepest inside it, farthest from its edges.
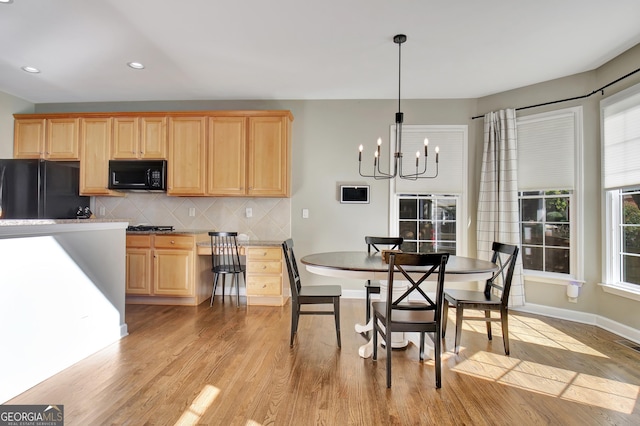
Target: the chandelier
(420, 172)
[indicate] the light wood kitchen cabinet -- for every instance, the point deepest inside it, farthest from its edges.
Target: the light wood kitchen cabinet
(249, 156)
(139, 138)
(187, 156)
(138, 265)
(227, 145)
(269, 157)
(95, 138)
(49, 139)
(265, 276)
(164, 269)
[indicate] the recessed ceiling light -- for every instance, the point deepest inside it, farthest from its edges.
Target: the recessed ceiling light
(6, 1)
(136, 65)
(32, 70)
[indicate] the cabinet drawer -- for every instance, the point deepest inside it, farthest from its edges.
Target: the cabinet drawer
(174, 241)
(142, 241)
(264, 285)
(264, 267)
(263, 253)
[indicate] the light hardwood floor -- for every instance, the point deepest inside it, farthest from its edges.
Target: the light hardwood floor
(233, 366)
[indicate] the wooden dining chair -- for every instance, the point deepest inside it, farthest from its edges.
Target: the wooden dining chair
(495, 297)
(309, 295)
(372, 286)
(225, 260)
(423, 314)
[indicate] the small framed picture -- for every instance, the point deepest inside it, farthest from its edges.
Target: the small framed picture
(351, 194)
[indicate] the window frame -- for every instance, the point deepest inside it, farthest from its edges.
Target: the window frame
(611, 214)
(461, 196)
(576, 203)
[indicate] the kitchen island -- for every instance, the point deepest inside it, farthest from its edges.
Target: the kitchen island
(62, 295)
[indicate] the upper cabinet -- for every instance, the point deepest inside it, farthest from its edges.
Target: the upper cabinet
(249, 155)
(208, 153)
(46, 138)
(139, 138)
(227, 146)
(95, 136)
(187, 156)
(269, 157)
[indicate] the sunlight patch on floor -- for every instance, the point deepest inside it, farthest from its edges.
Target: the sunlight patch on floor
(528, 330)
(199, 406)
(557, 382)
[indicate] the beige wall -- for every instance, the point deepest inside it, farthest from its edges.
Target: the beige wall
(10, 105)
(325, 139)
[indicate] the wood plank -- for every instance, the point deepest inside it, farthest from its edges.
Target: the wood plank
(229, 365)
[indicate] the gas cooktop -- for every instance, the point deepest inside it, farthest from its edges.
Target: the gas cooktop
(147, 228)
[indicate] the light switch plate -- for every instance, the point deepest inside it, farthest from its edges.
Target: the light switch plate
(305, 213)
(249, 211)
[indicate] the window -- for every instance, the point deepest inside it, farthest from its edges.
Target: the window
(549, 182)
(545, 229)
(620, 119)
(430, 213)
(427, 223)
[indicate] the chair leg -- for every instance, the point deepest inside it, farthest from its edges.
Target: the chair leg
(421, 346)
(215, 285)
(295, 316)
(375, 331)
(459, 314)
(487, 315)
(224, 278)
(445, 316)
(368, 306)
(504, 319)
(437, 348)
(387, 339)
(237, 278)
(336, 314)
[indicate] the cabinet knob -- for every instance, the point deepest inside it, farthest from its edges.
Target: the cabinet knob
(173, 242)
(264, 266)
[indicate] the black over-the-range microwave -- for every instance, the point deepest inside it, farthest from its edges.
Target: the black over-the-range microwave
(144, 175)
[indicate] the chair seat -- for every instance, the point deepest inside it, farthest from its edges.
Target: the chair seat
(229, 269)
(321, 290)
(470, 296)
(406, 316)
(372, 284)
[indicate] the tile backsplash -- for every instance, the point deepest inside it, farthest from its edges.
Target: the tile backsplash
(270, 219)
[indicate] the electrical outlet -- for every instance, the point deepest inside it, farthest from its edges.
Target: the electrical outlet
(305, 213)
(192, 211)
(249, 211)
(102, 211)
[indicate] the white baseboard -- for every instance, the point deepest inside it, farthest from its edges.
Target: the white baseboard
(621, 330)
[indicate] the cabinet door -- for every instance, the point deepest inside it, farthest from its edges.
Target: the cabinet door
(268, 156)
(28, 137)
(173, 273)
(226, 168)
(138, 279)
(153, 138)
(187, 160)
(94, 164)
(61, 142)
(125, 138)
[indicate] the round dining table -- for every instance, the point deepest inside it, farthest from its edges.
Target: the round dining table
(371, 266)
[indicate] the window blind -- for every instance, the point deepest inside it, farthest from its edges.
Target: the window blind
(546, 150)
(452, 170)
(621, 139)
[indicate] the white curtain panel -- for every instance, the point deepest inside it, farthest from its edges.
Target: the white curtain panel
(498, 217)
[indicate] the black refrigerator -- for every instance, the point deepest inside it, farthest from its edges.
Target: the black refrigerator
(40, 189)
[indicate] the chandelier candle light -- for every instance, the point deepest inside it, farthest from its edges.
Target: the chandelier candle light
(397, 160)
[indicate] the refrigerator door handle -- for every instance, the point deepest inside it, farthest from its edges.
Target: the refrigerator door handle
(1, 187)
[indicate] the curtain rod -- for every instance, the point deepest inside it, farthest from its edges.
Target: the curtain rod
(575, 97)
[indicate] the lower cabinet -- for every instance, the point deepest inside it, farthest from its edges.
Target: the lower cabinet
(265, 276)
(164, 269)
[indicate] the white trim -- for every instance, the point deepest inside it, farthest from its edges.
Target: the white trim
(628, 291)
(549, 278)
(621, 330)
(39, 227)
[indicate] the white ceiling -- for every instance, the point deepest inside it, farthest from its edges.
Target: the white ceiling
(302, 49)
